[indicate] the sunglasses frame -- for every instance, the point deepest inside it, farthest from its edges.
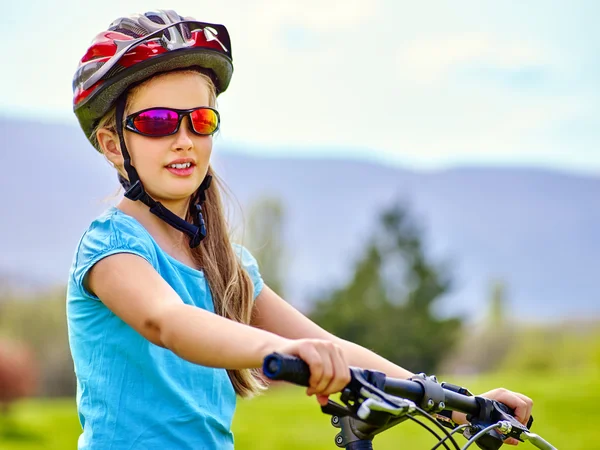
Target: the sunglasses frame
(181, 113)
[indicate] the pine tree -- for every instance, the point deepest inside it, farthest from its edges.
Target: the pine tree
(388, 304)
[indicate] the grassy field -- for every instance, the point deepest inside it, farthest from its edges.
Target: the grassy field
(566, 414)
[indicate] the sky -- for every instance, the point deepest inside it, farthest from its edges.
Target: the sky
(428, 84)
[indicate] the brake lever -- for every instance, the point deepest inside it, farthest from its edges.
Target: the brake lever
(507, 413)
(335, 409)
(366, 402)
(376, 400)
(492, 412)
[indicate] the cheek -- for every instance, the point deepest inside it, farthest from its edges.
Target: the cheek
(145, 154)
(133, 144)
(203, 151)
(206, 148)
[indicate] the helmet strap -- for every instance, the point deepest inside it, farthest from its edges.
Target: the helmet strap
(134, 190)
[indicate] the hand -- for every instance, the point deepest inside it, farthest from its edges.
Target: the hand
(521, 404)
(329, 371)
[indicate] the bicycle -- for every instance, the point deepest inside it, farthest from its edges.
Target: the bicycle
(373, 403)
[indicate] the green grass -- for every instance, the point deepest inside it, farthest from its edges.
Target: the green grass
(565, 411)
(41, 424)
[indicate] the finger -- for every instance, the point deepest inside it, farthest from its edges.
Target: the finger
(309, 354)
(511, 441)
(322, 399)
(341, 372)
(529, 404)
(515, 402)
(325, 351)
(521, 410)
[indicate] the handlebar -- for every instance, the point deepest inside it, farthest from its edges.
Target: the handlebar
(381, 402)
(296, 371)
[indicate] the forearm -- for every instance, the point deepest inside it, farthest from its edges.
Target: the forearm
(361, 357)
(275, 314)
(211, 340)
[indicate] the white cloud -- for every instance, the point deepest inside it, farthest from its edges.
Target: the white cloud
(385, 76)
(318, 15)
(431, 60)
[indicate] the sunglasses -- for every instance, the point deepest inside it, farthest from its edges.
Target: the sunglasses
(159, 122)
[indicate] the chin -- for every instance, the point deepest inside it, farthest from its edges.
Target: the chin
(175, 194)
(178, 195)
(184, 188)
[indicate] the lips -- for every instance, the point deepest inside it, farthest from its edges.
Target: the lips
(182, 167)
(181, 163)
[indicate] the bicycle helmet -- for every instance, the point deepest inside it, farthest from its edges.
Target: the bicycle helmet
(134, 49)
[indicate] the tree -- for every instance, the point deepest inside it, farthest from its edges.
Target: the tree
(38, 321)
(18, 373)
(388, 304)
(265, 235)
(497, 305)
(488, 342)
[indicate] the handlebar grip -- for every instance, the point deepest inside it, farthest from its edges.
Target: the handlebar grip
(286, 368)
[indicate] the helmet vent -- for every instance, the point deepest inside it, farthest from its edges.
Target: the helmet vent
(127, 32)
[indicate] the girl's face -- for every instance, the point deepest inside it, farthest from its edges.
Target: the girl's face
(152, 156)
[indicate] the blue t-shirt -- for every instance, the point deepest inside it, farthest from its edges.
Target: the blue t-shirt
(132, 394)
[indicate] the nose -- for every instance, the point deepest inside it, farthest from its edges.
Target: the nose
(183, 137)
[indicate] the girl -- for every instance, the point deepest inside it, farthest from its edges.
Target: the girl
(168, 320)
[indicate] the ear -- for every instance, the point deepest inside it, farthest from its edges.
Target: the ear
(109, 144)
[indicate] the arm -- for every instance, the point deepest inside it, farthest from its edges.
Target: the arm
(274, 314)
(155, 310)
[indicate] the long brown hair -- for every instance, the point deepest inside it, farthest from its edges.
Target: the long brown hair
(230, 285)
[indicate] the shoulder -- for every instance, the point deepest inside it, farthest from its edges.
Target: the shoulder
(112, 232)
(115, 223)
(250, 264)
(243, 254)
(114, 229)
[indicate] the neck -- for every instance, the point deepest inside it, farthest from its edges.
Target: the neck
(179, 207)
(162, 232)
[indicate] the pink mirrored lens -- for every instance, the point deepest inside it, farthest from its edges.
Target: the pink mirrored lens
(156, 122)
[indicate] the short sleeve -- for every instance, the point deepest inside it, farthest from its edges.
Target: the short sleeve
(250, 264)
(107, 236)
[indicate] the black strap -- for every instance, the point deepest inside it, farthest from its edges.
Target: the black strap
(131, 172)
(134, 190)
(197, 203)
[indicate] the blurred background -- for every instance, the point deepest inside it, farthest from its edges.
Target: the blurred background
(420, 178)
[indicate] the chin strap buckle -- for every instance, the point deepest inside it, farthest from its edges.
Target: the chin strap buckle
(200, 221)
(135, 191)
(200, 233)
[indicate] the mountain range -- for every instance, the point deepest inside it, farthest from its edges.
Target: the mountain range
(534, 229)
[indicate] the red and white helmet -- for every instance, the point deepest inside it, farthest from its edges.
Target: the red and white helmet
(137, 47)
(132, 50)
